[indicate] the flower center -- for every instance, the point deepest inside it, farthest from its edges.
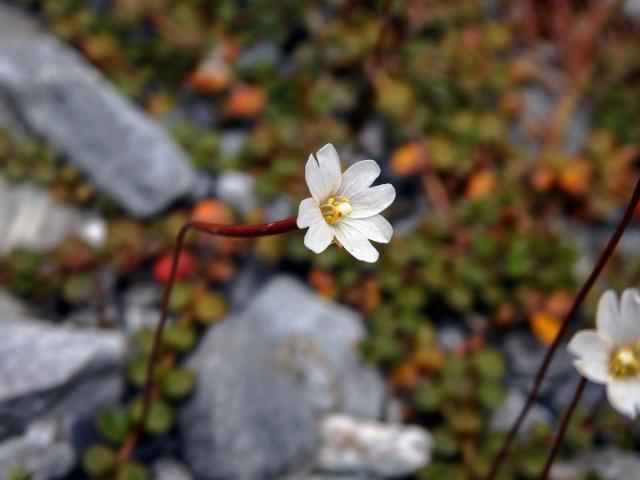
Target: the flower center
(335, 208)
(625, 362)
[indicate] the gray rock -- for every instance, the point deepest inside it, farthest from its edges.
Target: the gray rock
(316, 339)
(232, 143)
(8, 119)
(237, 189)
(505, 414)
(281, 207)
(40, 451)
(258, 55)
(336, 476)
(31, 218)
(11, 306)
(371, 139)
(56, 372)
(539, 105)
(631, 8)
(525, 354)
(608, 464)
(450, 337)
(59, 96)
(137, 317)
(170, 469)
(247, 419)
(194, 110)
(246, 282)
(262, 375)
(146, 294)
(16, 23)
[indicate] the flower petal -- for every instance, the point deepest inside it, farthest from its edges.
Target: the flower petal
(358, 177)
(593, 370)
(308, 213)
(329, 163)
(372, 201)
(316, 183)
(607, 315)
(319, 236)
(313, 177)
(375, 228)
(624, 396)
(629, 320)
(355, 242)
(589, 345)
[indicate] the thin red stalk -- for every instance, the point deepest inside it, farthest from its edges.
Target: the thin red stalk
(563, 428)
(577, 303)
(237, 231)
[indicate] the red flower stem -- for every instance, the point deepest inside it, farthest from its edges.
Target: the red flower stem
(563, 428)
(577, 303)
(237, 231)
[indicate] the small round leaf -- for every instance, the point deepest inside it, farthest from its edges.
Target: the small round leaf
(178, 383)
(99, 460)
(132, 471)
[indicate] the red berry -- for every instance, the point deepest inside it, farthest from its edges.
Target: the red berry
(162, 267)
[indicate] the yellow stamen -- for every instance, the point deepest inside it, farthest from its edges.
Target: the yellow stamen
(335, 208)
(624, 362)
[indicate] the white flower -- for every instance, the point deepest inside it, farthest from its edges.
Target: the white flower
(344, 207)
(611, 354)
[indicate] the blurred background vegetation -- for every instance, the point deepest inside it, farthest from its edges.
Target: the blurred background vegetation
(507, 127)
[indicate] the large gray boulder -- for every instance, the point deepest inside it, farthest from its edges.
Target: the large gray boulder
(246, 420)
(62, 98)
(265, 375)
(315, 341)
(59, 373)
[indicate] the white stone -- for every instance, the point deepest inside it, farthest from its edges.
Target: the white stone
(237, 189)
(350, 444)
(31, 218)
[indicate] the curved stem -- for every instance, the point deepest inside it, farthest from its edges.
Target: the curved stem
(237, 231)
(563, 428)
(577, 303)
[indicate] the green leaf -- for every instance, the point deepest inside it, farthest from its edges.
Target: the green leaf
(445, 443)
(488, 363)
(429, 397)
(20, 473)
(531, 463)
(143, 339)
(132, 471)
(114, 425)
(180, 337)
(159, 419)
(78, 288)
(99, 460)
(465, 422)
(178, 383)
(489, 393)
(181, 296)
(137, 370)
(209, 307)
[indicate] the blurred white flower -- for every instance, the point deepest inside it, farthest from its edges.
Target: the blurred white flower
(344, 208)
(611, 354)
